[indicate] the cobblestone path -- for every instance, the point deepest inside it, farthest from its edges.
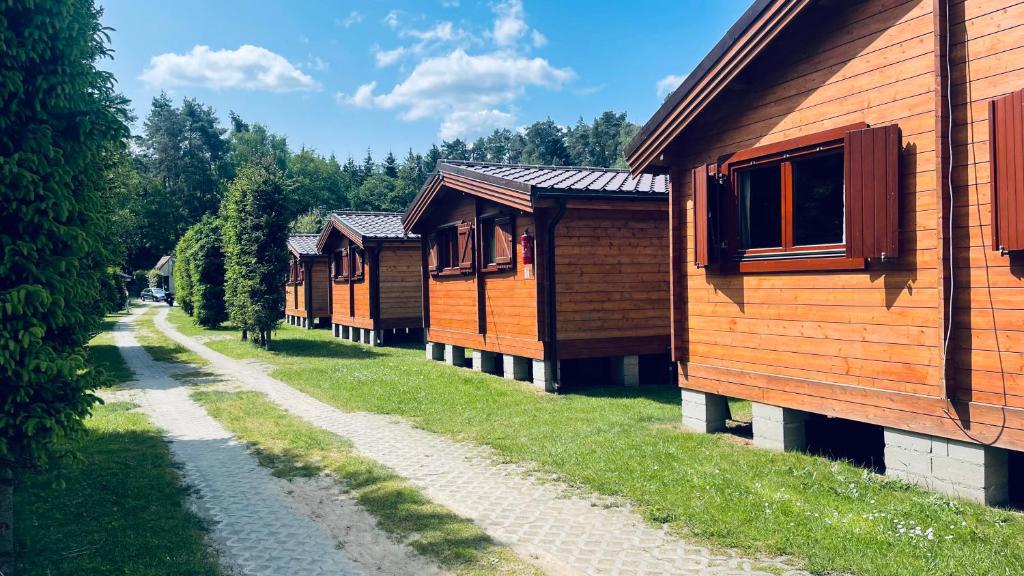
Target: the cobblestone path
(558, 529)
(257, 530)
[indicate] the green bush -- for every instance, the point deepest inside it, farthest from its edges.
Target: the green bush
(256, 257)
(183, 271)
(61, 124)
(206, 264)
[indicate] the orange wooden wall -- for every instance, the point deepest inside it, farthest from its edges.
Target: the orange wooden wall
(400, 290)
(864, 345)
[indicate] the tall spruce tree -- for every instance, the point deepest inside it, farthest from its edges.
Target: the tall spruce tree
(255, 233)
(61, 124)
(207, 272)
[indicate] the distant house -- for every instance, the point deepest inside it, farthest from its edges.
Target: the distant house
(555, 275)
(165, 267)
(374, 284)
(847, 233)
(307, 298)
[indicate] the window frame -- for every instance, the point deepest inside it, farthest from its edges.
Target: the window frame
(486, 264)
(356, 256)
(339, 259)
(447, 236)
(787, 257)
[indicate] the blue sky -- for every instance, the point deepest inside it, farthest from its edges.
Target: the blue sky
(340, 77)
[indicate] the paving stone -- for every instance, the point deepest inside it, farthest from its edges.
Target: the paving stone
(257, 530)
(562, 530)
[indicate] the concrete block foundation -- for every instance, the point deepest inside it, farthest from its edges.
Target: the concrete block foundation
(484, 361)
(626, 371)
(435, 351)
(370, 337)
(544, 375)
(704, 412)
(515, 367)
(778, 428)
(454, 355)
(950, 467)
(355, 334)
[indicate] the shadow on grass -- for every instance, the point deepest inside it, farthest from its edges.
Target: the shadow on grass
(663, 394)
(165, 353)
(304, 347)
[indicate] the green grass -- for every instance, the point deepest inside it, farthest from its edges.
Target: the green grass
(104, 355)
(158, 345)
(292, 447)
(625, 442)
(120, 509)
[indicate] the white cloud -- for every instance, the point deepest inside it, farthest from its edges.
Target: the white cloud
(354, 17)
(391, 20)
(316, 63)
(248, 68)
(441, 32)
(465, 91)
(388, 57)
(668, 84)
(449, 3)
(510, 24)
(469, 123)
(539, 40)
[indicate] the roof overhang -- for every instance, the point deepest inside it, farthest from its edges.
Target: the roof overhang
(747, 38)
(514, 194)
(345, 230)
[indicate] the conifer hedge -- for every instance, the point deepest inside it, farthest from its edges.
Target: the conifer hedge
(255, 232)
(60, 124)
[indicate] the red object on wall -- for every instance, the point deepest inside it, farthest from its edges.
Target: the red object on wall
(526, 241)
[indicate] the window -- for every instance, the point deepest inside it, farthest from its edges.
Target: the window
(496, 243)
(826, 201)
(452, 249)
(339, 263)
(294, 276)
(357, 258)
(793, 204)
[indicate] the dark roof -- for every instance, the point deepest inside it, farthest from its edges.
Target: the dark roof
(672, 102)
(374, 225)
(303, 244)
(163, 260)
(559, 180)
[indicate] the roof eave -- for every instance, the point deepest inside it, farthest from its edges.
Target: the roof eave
(747, 37)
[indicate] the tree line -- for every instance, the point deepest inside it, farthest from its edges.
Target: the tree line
(183, 161)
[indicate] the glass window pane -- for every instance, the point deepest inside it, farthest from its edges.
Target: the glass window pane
(818, 200)
(761, 207)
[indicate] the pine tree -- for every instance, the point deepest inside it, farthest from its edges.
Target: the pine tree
(390, 166)
(61, 127)
(255, 233)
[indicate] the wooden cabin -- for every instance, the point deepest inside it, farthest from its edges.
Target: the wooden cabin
(846, 231)
(307, 302)
(547, 274)
(374, 277)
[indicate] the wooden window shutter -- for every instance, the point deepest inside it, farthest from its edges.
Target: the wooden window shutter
(434, 256)
(872, 192)
(704, 188)
(1006, 134)
(357, 264)
(504, 243)
(344, 263)
(466, 247)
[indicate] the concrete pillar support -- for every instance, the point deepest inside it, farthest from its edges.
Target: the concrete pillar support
(515, 367)
(544, 375)
(778, 428)
(454, 355)
(484, 361)
(704, 412)
(950, 467)
(435, 351)
(626, 371)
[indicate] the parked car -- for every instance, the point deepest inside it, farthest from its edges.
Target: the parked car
(153, 295)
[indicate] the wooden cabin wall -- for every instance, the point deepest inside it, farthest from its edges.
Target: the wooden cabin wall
(612, 277)
(510, 299)
(987, 38)
(346, 293)
(863, 345)
(321, 282)
(400, 291)
(295, 300)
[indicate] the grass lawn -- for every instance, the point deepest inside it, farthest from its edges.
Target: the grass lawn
(292, 447)
(119, 509)
(833, 516)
